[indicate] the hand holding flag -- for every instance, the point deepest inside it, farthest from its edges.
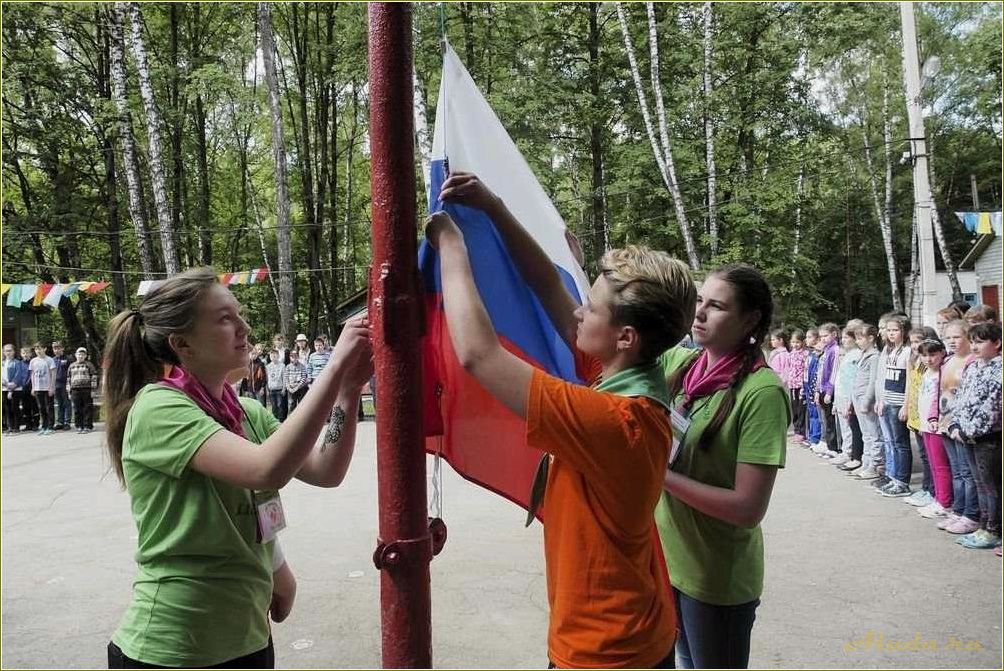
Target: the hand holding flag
(464, 188)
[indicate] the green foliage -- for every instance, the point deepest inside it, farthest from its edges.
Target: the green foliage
(798, 88)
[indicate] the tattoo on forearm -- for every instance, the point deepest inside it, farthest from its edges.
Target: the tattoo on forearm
(336, 424)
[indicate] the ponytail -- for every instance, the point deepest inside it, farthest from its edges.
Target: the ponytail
(137, 349)
(129, 366)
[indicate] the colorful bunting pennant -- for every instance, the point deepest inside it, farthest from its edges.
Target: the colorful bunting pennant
(146, 286)
(981, 223)
(95, 287)
(50, 294)
(227, 279)
(40, 292)
(54, 296)
(14, 296)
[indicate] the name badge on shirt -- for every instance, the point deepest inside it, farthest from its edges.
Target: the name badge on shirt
(271, 516)
(680, 421)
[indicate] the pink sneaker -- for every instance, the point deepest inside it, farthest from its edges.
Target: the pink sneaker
(951, 519)
(997, 550)
(962, 525)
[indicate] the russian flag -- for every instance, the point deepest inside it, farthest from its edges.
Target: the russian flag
(479, 438)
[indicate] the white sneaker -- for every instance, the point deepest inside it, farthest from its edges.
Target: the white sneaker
(840, 459)
(820, 448)
(932, 510)
(949, 519)
(919, 498)
(867, 474)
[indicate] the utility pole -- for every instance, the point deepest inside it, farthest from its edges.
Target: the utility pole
(922, 198)
(404, 547)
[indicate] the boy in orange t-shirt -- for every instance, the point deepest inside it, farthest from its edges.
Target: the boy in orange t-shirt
(608, 445)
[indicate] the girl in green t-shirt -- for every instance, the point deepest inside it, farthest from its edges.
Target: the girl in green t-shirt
(202, 469)
(732, 418)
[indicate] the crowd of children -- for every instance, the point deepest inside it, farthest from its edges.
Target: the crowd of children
(44, 389)
(861, 393)
(280, 376)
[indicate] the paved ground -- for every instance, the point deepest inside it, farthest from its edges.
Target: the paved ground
(848, 572)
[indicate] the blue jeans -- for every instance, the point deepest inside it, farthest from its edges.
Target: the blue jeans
(277, 400)
(898, 456)
(986, 468)
(64, 411)
(713, 637)
(965, 500)
(814, 430)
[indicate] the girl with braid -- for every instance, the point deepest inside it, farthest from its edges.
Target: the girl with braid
(733, 414)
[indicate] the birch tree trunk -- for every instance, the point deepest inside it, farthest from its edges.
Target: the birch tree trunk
(422, 140)
(171, 263)
(260, 231)
(939, 232)
(129, 163)
(283, 233)
(662, 152)
(110, 187)
(913, 309)
(242, 137)
(887, 145)
(709, 139)
(883, 222)
(799, 190)
(600, 231)
(175, 117)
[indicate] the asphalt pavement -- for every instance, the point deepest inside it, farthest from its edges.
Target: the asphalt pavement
(853, 580)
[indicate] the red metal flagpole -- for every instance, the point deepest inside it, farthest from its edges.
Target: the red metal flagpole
(404, 547)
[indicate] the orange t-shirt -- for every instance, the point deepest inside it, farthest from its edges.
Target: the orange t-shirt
(609, 595)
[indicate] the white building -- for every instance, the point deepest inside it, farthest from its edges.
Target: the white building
(984, 260)
(968, 282)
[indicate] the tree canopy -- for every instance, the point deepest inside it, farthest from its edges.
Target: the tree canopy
(803, 102)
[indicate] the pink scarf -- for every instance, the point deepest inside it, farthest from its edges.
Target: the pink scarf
(702, 381)
(227, 410)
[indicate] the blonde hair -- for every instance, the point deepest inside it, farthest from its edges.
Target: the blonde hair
(960, 324)
(652, 292)
(950, 313)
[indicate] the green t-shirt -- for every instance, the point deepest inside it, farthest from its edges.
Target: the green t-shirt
(709, 559)
(204, 583)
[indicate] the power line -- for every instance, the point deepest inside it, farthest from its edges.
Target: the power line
(104, 271)
(183, 231)
(847, 151)
(342, 225)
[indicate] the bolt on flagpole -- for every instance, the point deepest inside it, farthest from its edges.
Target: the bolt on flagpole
(404, 546)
